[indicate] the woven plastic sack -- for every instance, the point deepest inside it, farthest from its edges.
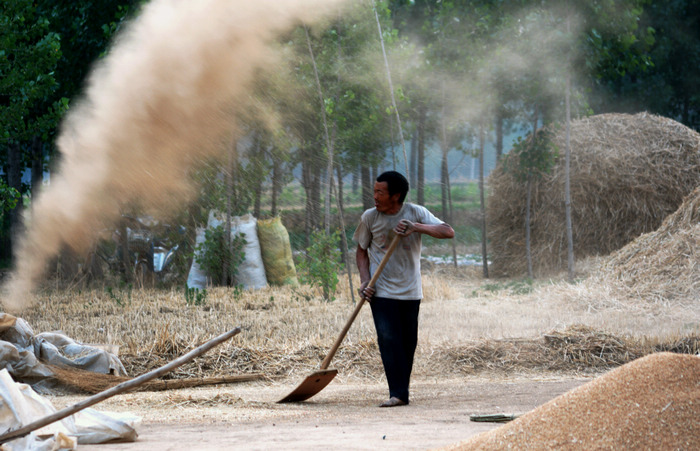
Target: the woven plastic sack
(276, 252)
(197, 278)
(251, 271)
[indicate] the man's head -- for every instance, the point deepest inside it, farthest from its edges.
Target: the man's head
(389, 192)
(396, 183)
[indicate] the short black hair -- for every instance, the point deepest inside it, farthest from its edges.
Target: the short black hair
(396, 182)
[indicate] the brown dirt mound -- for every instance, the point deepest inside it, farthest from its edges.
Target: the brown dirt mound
(663, 265)
(651, 403)
(628, 173)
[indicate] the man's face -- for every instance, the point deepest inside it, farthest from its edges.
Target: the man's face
(383, 201)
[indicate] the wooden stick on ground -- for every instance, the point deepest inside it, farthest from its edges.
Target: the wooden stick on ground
(121, 388)
(90, 382)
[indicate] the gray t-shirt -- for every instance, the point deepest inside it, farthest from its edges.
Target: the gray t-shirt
(401, 276)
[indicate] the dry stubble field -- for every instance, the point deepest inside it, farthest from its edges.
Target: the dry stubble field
(485, 346)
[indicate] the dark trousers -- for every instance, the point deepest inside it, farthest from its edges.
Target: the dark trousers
(396, 322)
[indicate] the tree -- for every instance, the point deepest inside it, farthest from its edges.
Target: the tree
(29, 53)
(47, 48)
(670, 85)
(529, 159)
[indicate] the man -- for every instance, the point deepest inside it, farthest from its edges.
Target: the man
(395, 298)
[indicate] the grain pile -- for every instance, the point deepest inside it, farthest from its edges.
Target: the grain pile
(651, 403)
(664, 265)
(628, 173)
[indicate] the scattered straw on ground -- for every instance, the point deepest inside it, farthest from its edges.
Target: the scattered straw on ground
(467, 327)
(651, 403)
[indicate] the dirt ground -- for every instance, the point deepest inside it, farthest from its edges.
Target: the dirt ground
(343, 416)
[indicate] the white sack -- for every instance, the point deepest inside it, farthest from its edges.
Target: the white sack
(21, 406)
(251, 271)
(197, 278)
(58, 349)
(20, 351)
(93, 426)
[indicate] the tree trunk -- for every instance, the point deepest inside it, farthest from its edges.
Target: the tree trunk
(14, 180)
(528, 203)
(393, 147)
(367, 187)
(37, 166)
(230, 170)
(339, 172)
(448, 219)
(308, 204)
(276, 184)
(343, 235)
(420, 178)
(355, 179)
(567, 180)
(328, 144)
(311, 182)
(258, 198)
(341, 209)
(444, 175)
(124, 246)
(482, 199)
(528, 248)
(5, 241)
(444, 185)
(414, 158)
(316, 179)
(391, 91)
(499, 134)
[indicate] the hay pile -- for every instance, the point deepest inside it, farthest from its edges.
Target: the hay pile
(576, 349)
(651, 403)
(628, 173)
(664, 265)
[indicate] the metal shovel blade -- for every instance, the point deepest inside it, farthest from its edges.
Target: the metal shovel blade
(314, 383)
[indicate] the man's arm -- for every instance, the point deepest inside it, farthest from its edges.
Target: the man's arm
(440, 231)
(362, 260)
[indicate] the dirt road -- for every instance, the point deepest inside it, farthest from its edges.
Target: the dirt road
(343, 416)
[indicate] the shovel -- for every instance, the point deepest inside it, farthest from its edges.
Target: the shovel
(317, 381)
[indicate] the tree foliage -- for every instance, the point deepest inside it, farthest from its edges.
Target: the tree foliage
(461, 70)
(29, 54)
(322, 263)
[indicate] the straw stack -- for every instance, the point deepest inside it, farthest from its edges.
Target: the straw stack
(628, 173)
(664, 265)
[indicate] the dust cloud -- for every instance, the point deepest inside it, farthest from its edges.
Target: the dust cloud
(161, 100)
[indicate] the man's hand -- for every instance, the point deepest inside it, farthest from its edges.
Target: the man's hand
(405, 227)
(440, 231)
(366, 292)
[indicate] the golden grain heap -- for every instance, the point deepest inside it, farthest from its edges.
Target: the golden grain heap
(628, 173)
(651, 403)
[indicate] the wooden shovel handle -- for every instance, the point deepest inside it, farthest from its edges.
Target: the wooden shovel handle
(327, 361)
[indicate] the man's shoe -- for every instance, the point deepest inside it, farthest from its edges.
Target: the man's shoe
(393, 402)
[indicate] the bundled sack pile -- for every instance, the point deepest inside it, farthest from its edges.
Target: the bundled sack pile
(628, 173)
(267, 253)
(650, 403)
(29, 357)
